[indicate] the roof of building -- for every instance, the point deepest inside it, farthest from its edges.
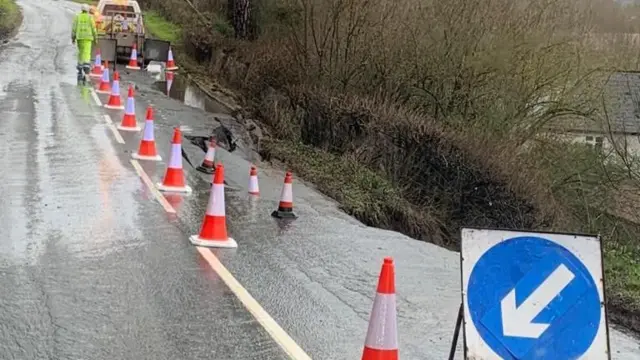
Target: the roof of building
(622, 94)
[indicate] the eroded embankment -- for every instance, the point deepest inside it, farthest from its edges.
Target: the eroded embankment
(395, 168)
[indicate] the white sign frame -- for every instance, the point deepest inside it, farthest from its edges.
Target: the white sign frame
(587, 248)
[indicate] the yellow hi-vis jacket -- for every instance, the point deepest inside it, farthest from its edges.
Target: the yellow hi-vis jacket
(84, 28)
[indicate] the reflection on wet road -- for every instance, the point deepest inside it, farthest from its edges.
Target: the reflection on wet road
(91, 269)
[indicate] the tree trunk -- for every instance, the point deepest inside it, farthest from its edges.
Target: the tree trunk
(241, 16)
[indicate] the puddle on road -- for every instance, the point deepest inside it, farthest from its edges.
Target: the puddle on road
(180, 88)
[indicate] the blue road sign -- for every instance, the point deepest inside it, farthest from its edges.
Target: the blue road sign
(530, 298)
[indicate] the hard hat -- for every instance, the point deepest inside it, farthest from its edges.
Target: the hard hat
(85, 8)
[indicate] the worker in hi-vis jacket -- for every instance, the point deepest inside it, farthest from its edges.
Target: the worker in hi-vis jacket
(84, 34)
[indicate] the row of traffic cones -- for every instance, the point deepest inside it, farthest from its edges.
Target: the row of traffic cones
(174, 180)
(98, 68)
(133, 60)
(381, 342)
(113, 89)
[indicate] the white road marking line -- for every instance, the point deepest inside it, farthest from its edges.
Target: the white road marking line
(145, 178)
(268, 323)
(115, 131)
(95, 97)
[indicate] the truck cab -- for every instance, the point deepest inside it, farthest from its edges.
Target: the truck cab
(121, 20)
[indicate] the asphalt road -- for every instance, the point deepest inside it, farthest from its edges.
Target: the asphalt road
(93, 266)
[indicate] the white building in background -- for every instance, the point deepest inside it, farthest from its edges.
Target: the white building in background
(623, 126)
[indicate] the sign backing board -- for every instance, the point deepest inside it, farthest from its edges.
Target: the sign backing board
(529, 295)
(156, 50)
(107, 50)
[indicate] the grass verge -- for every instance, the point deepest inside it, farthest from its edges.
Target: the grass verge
(361, 192)
(161, 28)
(10, 18)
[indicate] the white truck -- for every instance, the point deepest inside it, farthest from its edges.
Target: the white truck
(120, 24)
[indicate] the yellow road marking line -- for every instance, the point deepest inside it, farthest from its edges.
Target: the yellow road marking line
(145, 178)
(268, 323)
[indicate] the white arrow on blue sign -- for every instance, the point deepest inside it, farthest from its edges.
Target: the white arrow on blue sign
(533, 296)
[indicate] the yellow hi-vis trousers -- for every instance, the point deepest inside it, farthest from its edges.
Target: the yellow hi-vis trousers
(84, 51)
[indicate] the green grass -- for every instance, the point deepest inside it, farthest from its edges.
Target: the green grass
(162, 29)
(361, 192)
(10, 17)
(88, 2)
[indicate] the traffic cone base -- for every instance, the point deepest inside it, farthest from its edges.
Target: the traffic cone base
(284, 214)
(205, 170)
(114, 106)
(132, 67)
(128, 128)
(185, 189)
(144, 157)
(229, 243)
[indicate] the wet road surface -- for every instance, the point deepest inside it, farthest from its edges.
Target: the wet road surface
(90, 269)
(94, 267)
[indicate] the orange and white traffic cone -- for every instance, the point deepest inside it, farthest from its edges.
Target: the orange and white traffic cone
(114, 99)
(171, 65)
(254, 189)
(129, 122)
(174, 177)
(285, 208)
(96, 71)
(382, 336)
(133, 60)
(169, 77)
(213, 232)
(207, 165)
(104, 87)
(147, 149)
